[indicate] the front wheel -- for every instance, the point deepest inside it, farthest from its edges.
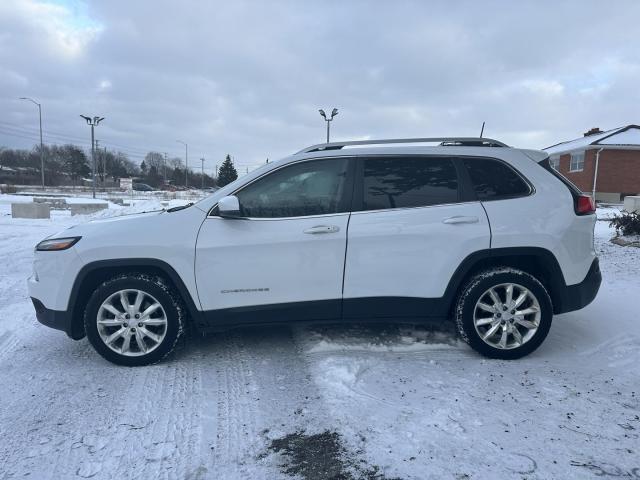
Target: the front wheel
(134, 319)
(504, 313)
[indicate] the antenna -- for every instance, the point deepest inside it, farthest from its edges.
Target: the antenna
(482, 130)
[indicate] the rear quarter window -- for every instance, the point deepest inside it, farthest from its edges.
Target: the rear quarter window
(495, 180)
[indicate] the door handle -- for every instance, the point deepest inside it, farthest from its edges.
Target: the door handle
(460, 219)
(322, 229)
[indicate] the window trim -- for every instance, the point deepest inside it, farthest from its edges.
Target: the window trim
(348, 190)
(571, 155)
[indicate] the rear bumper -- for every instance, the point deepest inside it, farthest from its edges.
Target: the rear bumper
(60, 320)
(575, 297)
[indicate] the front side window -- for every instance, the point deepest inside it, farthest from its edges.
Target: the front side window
(308, 188)
(401, 182)
(554, 162)
(494, 180)
(577, 162)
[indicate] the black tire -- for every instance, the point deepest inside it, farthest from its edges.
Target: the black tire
(161, 291)
(472, 292)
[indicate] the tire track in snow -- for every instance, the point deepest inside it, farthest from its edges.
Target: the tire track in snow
(263, 391)
(229, 429)
(99, 421)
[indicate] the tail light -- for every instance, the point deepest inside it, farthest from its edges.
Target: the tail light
(585, 205)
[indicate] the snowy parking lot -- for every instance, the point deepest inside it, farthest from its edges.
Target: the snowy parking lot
(330, 402)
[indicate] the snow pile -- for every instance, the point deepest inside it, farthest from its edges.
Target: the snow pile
(381, 339)
(115, 210)
(8, 199)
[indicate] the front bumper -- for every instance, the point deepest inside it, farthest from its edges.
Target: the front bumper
(60, 320)
(575, 297)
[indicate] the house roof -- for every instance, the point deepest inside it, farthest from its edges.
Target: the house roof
(627, 135)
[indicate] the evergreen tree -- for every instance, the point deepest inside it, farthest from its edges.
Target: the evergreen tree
(227, 172)
(143, 168)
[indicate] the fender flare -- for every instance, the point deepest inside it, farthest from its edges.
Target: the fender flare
(546, 260)
(78, 295)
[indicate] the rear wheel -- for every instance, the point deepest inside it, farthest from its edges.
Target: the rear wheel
(504, 313)
(134, 319)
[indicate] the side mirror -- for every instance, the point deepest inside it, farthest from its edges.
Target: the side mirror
(229, 207)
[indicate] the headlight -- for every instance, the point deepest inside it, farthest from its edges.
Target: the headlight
(54, 244)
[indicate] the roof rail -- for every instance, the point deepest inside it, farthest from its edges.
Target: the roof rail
(443, 141)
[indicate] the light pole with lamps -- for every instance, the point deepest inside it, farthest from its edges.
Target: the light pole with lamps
(93, 122)
(41, 144)
(186, 162)
(334, 112)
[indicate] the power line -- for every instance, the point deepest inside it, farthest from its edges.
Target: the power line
(50, 141)
(60, 139)
(54, 136)
(33, 130)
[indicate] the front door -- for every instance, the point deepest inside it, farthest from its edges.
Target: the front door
(285, 255)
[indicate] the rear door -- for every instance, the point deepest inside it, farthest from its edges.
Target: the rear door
(414, 222)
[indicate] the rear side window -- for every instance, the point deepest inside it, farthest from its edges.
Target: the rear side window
(400, 182)
(494, 180)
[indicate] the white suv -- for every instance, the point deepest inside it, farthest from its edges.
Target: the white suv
(357, 231)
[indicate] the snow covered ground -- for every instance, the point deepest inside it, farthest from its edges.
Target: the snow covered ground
(321, 402)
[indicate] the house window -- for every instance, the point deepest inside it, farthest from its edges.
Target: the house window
(554, 162)
(577, 162)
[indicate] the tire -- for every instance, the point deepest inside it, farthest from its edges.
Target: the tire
(487, 321)
(123, 338)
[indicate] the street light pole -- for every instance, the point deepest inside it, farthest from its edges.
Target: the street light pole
(41, 143)
(186, 162)
(93, 122)
(334, 112)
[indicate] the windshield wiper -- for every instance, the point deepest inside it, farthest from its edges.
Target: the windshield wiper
(180, 207)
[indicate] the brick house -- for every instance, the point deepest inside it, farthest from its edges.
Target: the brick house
(609, 159)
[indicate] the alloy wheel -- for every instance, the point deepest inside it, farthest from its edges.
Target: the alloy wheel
(507, 316)
(131, 322)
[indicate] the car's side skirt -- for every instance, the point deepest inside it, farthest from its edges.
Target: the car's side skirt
(374, 309)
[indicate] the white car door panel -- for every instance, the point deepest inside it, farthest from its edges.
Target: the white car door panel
(411, 252)
(243, 262)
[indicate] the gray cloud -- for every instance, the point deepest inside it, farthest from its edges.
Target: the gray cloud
(247, 77)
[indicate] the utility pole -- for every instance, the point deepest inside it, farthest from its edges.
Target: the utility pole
(186, 162)
(202, 160)
(93, 122)
(41, 143)
(99, 157)
(164, 167)
(334, 112)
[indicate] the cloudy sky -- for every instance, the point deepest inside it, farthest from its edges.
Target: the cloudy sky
(247, 78)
